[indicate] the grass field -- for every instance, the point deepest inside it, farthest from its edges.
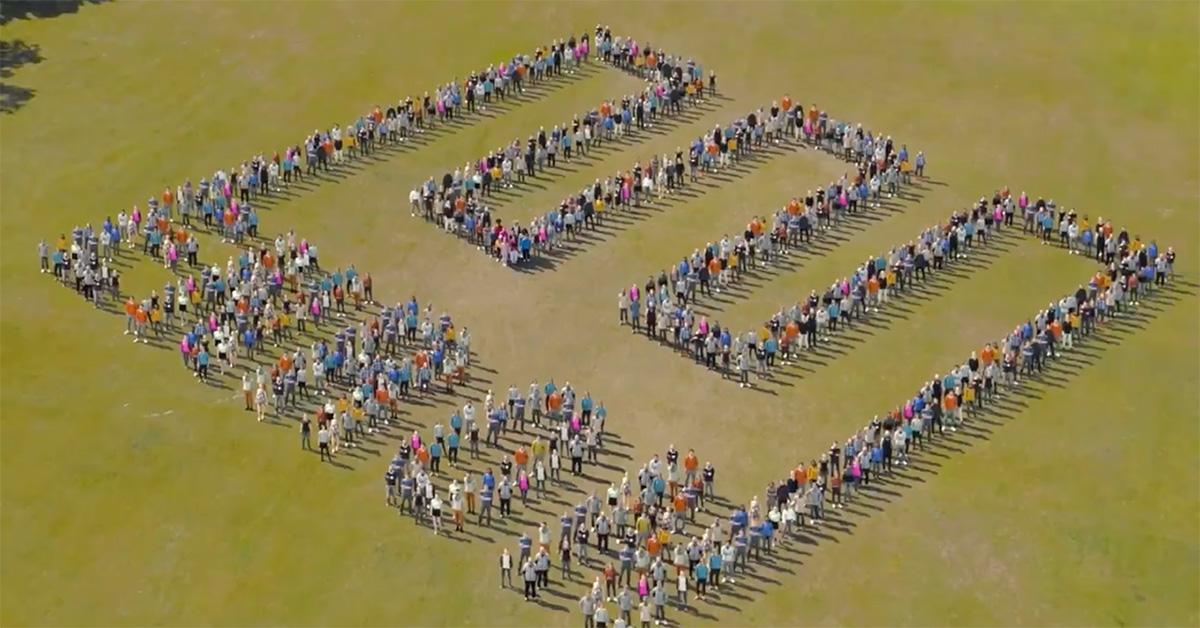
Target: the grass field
(132, 495)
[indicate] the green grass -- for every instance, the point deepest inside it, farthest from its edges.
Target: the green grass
(132, 495)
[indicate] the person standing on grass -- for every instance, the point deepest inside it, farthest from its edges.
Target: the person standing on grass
(529, 575)
(587, 606)
(506, 567)
(323, 443)
(435, 509)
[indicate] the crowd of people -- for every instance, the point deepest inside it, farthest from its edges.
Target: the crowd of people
(806, 493)
(881, 171)
(555, 429)
(883, 167)
(664, 308)
(458, 202)
(262, 303)
(671, 84)
(636, 531)
(165, 229)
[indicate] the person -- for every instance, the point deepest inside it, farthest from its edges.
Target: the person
(529, 575)
(601, 616)
(506, 566)
(564, 548)
(587, 605)
(435, 511)
(659, 596)
(323, 444)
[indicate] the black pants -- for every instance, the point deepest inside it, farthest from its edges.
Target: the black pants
(576, 466)
(530, 588)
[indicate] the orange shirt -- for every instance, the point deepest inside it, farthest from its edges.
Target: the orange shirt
(555, 400)
(680, 502)
(131, 307)
(521, 456)
(653, 546)
(140, 315)
(950, 402)
(690, 462)
(714, 266)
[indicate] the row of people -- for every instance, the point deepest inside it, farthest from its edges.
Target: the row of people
(805, 494)
(566, 428)
(225, 202)
(670, 85)
(883, 168)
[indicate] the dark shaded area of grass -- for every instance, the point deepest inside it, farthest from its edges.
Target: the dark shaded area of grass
(17, 53)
